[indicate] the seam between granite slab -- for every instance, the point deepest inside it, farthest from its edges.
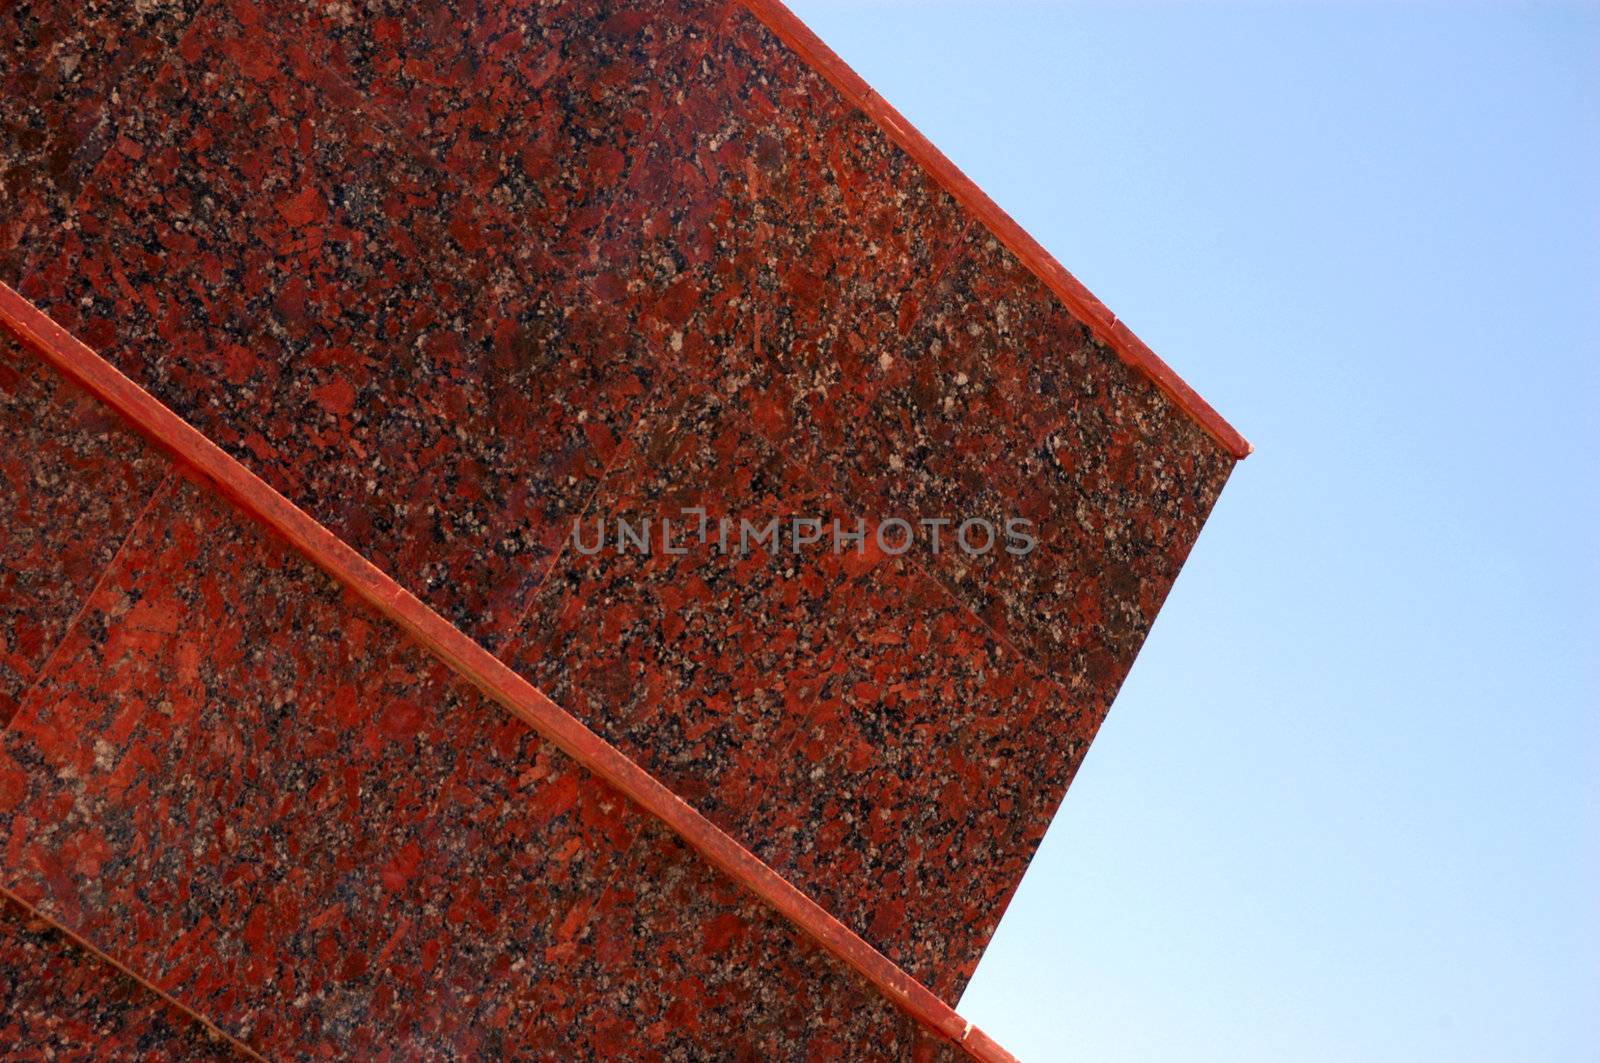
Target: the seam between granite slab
(1107, 326)
(231, 479)
(605, 473)
(94, 588)
(80, 943)
(834, 490)
(381, 116)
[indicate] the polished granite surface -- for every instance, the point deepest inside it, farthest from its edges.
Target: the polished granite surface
(451, 277)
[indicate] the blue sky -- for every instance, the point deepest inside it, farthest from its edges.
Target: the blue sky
(1347, 806)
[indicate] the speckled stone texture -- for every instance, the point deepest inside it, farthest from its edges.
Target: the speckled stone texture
(843, 713)
(72, 480)
(63, 64)
(681, 959)
(450, 275)
(283, 812)
(383, 343)
(58, 1002)
(280, 811)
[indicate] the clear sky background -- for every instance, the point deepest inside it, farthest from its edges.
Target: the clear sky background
(1347, 807)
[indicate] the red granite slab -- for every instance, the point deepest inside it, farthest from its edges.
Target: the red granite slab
(59, 1002)
(362, 330)
(296, 823)
(63, 61)
(808, 267)
(73, 478)
(489, 675)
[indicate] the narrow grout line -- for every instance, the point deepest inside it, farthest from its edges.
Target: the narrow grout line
(623, 442)
(82, 944)
(663, 370)
(49, 663)
(507, 636)
(484, 670)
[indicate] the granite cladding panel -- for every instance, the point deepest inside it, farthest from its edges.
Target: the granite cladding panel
(433, 284)
(58, 1002)
(277, 809)
(73, 479)
(805, 269)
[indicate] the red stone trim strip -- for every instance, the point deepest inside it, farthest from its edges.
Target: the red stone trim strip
(478, 666)
(79, 943)
(1104, 324)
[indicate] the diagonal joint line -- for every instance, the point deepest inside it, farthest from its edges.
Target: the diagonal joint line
(482, 669)
(79, 943)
